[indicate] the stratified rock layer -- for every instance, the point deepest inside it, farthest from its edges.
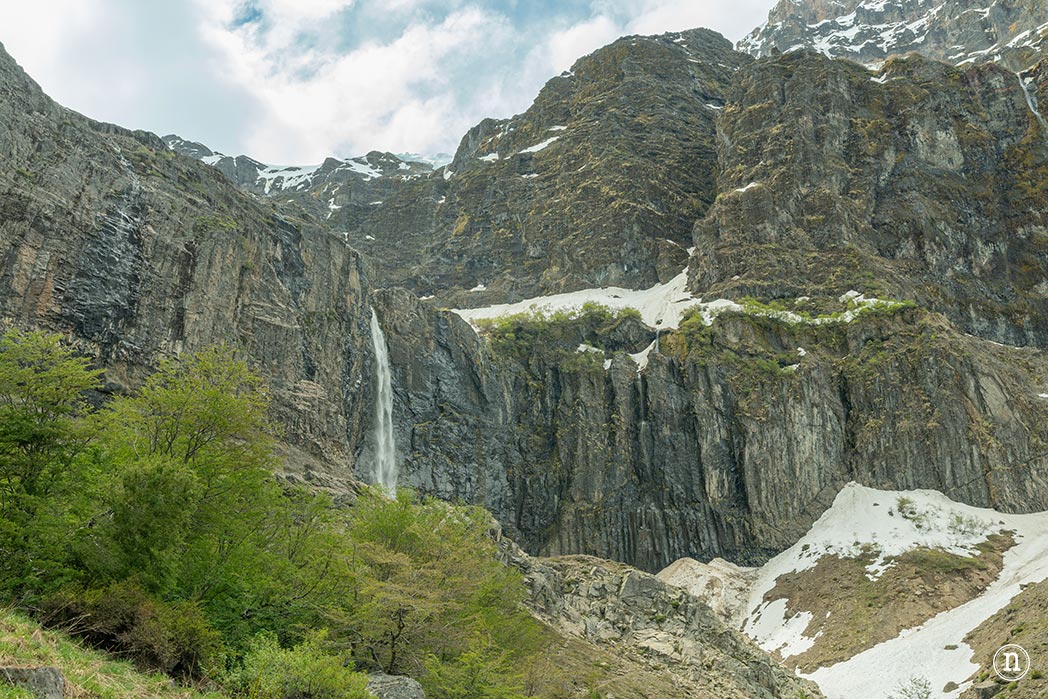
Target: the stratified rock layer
(730, 443)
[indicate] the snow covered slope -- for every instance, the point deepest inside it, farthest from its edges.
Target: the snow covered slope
(868, 31)
(880, 526)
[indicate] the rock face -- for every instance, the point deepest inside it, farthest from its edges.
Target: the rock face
(139, 254)
(41, 682)
(1013, 32)
(921, 181)
(648, 622)
(730, 443)
(598, 183)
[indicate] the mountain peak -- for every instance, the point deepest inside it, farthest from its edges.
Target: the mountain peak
(1011, 32)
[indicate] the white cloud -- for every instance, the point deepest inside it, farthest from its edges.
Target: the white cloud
(297, 10)
(733, 19)
(367, 98)
(565, 47)
(295, 87)
(37, 33)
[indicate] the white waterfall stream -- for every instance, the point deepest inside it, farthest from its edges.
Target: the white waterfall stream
(384, 469)
(1031, 102)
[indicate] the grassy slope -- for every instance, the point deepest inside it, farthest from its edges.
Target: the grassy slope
(88, 673)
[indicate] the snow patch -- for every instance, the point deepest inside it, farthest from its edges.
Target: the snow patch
(641, 358)
(890, 523)
(286, 178)
(540, 146)
(661, 306)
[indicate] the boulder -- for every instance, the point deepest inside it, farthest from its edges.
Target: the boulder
(385, 686)
(43, 682)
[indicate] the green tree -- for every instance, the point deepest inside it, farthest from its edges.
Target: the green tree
(426, 585)
(304, 671)
(44, 465)
(42, 396)
(197, 514)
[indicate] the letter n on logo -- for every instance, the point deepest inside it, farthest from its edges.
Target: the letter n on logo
(1011, 663)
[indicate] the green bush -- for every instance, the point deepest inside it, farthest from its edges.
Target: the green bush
(154, 529)
(302, 672)
(122, 618)
(426, 584)
(479, 673)
(558, 333)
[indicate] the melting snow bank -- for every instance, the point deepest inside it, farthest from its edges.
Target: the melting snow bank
(664, 305)
(661, 306)
(894, 522)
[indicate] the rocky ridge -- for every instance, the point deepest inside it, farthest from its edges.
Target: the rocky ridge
(1013, 33)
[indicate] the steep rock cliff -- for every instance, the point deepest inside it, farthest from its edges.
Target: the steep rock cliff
(138, 254)
(921, 181)
(730, 443)
(598, 182)
(1011, 32)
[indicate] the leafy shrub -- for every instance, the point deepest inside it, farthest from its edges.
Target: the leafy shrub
(426, 585)
(479, 673)
(524, 335)
(122, 618)
(302, 672)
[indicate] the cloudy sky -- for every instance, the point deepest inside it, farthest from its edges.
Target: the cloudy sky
(292, 81)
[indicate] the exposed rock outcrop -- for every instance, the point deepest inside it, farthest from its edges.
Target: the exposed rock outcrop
(385, 686)
(41, 682)
(648, 622)
(1012, 32)
(923, 181)
(730, 443)
(138, 255)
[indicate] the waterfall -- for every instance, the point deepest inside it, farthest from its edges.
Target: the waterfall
(1031, 102)
(384, 469)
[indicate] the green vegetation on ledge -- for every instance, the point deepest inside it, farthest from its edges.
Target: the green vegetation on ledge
(556, 336)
